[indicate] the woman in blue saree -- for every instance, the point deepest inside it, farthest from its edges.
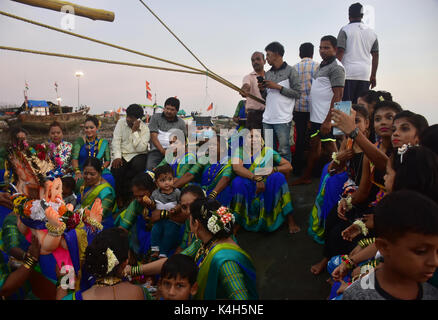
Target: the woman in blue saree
(95, 186)
(92, 146)
(260, 194)
(213, 175)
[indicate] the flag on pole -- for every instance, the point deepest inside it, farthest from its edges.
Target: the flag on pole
(148, 89)
(210, 107)
(26, 85)
(56, 85)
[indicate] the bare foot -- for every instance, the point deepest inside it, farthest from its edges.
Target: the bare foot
(319, 267)
(293, 227)
(300, 181)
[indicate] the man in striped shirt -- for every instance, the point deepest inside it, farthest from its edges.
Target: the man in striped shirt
(306, 68)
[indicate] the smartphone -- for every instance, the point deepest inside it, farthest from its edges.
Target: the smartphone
(260, 79)
(345, 107)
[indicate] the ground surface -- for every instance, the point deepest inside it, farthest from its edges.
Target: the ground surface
(282, 260)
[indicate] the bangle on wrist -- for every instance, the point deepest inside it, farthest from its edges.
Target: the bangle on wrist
(164, 214)
(348, 262)
(275, 169)
(213, 195)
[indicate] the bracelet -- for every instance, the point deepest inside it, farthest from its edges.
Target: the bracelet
(347, 261)
(335, 158)
(258, 179)
(164, 214)
(94, 223)
(366, 242)
(55, 231)
(29, 261)
(136, 271)
(275, 169)
(212, 195)
(362, 226)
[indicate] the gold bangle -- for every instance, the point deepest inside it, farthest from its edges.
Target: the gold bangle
(55, 231)
(94, 223)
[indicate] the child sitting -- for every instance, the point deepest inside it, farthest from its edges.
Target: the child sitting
(406, 225)
(178, 278)
(166, 233)
(68, 187)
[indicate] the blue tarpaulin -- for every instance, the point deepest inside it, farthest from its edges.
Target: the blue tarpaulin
(37, 103)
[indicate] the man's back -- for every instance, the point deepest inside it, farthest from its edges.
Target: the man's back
(358, 41)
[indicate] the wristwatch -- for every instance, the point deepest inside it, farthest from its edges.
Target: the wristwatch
(353, 134)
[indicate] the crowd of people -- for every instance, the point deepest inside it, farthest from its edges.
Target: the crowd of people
(147, 217)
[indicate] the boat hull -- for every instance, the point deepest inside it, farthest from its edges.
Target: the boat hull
(42, 123)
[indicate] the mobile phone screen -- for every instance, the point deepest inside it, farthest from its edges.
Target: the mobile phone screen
(345, 107)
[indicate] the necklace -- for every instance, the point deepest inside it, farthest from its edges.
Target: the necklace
(92, 144)
(204, 251)
(109, 281)
(217, 168)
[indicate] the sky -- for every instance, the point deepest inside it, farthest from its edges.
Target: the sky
(222, 34)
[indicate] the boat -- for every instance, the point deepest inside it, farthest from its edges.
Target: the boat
(39, 116)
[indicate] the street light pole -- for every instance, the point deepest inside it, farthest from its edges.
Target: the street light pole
(78, 74)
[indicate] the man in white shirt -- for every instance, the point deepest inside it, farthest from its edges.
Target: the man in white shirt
(280, 88)
(129, 146)
(358, 50)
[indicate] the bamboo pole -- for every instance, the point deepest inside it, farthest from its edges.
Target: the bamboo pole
(53, 54)
(56, 5)
(131, 51)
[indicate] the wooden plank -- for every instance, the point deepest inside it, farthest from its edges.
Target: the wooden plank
(56, 5)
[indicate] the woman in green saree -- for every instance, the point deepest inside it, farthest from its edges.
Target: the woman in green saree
(225, 270)
(95, 186)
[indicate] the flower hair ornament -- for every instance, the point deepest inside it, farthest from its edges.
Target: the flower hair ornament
(112, 260)
(151, 174)
(220, 219)
(402, 150)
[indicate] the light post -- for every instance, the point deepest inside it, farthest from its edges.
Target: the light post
(78, 75)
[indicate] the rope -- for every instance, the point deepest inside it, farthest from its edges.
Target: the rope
(211, 75)
(96, 60)
(231, 85)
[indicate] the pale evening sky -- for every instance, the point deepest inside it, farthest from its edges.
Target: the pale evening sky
(223, 34)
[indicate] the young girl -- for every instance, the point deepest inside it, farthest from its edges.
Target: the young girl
(412, 168)
(346, 168)
(407, 128)
(370, 185)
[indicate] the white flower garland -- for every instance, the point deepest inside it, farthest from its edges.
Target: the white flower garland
(220, 220)
(362, 226)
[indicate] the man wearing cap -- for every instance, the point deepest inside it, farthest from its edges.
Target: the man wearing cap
(358, 50)
(129, 148)
(162, 125)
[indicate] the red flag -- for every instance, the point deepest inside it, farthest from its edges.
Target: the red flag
(210, 107)
(148, 95)
(147, 86)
